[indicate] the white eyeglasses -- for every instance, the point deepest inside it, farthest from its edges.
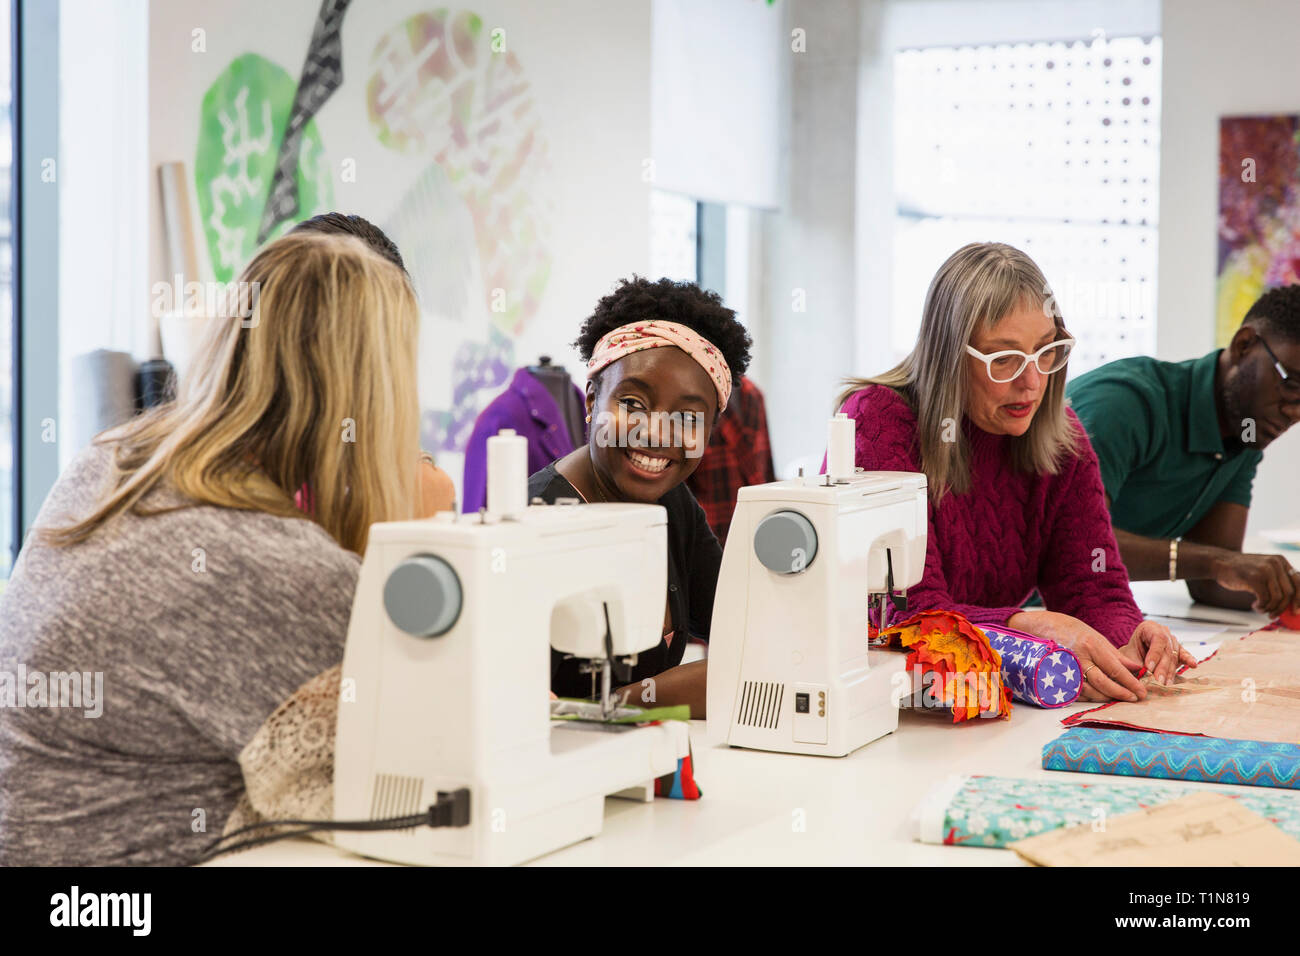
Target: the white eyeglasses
(1007, 365)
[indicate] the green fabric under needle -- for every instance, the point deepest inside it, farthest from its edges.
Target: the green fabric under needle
(676, 712)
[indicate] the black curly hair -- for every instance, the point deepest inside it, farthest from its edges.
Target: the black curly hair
(639, 300)
(1277, 312)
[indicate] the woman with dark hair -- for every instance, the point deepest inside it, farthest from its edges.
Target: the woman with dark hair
(437, 492)
(661, 357)
(348, 224)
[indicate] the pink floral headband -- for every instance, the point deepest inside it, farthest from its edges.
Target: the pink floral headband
(627, 339)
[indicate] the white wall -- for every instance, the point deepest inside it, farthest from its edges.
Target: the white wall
(1219, 59)
(807, 327)
(717, 68)
(874, 190)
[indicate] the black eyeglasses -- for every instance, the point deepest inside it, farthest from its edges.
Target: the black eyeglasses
(1290, 380)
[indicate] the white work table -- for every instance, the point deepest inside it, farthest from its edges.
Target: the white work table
(768, 808)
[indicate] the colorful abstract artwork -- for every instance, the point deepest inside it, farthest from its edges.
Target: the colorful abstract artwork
(322, 74)
(473, 226)
(477, 368)
(1259, 213)
(441, 88)
(243, 120)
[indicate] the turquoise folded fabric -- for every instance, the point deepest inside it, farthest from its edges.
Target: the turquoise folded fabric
(994, 811)
(1133, 753)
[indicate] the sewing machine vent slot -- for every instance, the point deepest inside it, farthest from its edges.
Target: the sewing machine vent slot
(760, 704)
(395, 796)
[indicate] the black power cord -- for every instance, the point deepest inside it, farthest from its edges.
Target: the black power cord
(451, 810)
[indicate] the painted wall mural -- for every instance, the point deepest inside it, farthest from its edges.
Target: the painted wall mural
(438, 89)
(322, 74)
(243, 119)
(1259, 213)
(473, 225)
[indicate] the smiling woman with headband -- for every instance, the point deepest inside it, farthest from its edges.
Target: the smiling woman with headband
(661, 357)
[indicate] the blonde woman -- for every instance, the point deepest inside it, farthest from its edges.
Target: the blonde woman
(1016, 499)
(437, 492)
(171, 570)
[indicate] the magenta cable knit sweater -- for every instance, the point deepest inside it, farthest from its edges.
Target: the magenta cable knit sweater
(1012, 532)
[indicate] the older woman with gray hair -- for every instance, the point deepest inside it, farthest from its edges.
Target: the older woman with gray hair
(1016, 498)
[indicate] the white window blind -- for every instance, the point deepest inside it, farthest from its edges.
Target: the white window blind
(1050, 147)
(673, 238)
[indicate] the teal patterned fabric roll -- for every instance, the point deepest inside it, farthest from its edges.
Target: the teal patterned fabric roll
(995, 811)
(1134, 753)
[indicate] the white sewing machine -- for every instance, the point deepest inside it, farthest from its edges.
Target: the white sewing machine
(449, 656)
(790, 668)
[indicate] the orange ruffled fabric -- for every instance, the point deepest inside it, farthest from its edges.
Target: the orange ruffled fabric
(965, 666)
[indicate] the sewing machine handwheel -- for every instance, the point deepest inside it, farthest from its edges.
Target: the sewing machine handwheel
(785, 542)
(422, 596)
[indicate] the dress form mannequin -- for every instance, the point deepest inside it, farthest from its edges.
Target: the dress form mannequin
(560, 387)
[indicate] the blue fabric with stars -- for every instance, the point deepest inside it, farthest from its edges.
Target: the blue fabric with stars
(1036, 671)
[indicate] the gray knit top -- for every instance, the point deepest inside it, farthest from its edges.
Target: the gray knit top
(136, 665)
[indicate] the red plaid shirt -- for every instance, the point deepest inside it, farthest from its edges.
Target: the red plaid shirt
(739, 454)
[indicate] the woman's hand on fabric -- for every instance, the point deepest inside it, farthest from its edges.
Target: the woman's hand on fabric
(1154, 647)
(1107, 674)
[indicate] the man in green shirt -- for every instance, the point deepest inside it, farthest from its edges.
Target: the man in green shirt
(1178, 444)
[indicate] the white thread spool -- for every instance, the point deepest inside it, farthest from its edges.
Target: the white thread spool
(507, 474)
(840, 433)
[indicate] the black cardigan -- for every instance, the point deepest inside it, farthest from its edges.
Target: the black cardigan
(694, 556)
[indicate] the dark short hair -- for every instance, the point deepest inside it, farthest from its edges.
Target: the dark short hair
(334, 223)
(639, 300)
(1277, 312)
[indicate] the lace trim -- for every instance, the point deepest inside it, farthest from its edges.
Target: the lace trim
(288, 766)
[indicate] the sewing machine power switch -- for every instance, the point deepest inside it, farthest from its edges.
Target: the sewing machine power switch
(810, 723)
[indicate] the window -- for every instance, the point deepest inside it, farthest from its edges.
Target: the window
(8, 477)
(674, 238)
(713, 244)
(1051, 147)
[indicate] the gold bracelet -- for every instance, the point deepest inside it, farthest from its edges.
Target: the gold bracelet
(1173, 558)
